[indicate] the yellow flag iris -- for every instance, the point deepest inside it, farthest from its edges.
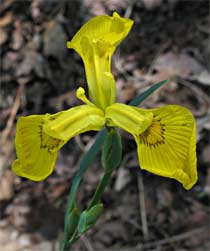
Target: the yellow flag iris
(165, 137)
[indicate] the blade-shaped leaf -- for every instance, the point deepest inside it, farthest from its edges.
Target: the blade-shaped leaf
(138, 100)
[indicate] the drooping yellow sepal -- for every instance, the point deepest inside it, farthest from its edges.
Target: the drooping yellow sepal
(39, 137)
(36, 151)
(95, 42)
(168, 147)
(131, 119)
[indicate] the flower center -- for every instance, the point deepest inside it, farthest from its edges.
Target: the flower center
(47, 141)
(154, 135)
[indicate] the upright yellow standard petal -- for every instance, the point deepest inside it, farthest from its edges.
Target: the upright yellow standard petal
(168, 147)
(96, 41)
(131, 119)
(39, 137)
(103, 32)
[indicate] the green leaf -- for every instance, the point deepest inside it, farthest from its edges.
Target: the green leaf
(138, 100)
(112, 150)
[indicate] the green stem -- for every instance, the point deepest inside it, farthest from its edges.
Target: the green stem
(100, 189)
(84, 164)
(66, 245)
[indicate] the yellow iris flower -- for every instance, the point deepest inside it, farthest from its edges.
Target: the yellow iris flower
(165, 137)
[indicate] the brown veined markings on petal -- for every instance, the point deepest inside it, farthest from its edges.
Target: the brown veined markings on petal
(47, 141)
(159, 134)
(34, 133)
(154, 134)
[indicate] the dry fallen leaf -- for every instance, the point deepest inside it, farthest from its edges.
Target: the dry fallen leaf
(3, 36)
(6, 185)
(17, 36)
(151, 4)
(182, 65)
(33, 61)
(6, 19)
(55, 40)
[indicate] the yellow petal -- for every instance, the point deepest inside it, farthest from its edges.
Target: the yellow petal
(131, 119)
(96, 41)
(39, 137)
(101, 30)
(74, 121)
(36, 151)
(168, 147)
